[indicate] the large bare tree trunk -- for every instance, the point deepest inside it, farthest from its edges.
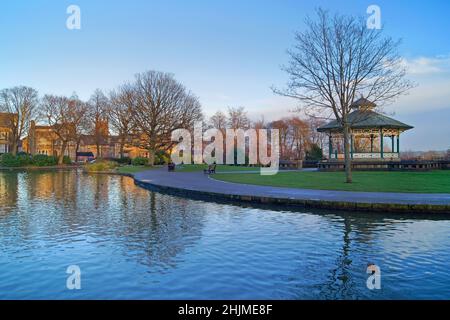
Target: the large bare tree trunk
(122, 143)
(77, 148)
(347, 156)
(61, 156)
(14, 147)
(151, 155)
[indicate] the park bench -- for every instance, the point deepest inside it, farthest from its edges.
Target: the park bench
(290, 164)
(211, 169)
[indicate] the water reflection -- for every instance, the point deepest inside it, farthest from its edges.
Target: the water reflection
(128, 240)
(60, 205)
(8, 191)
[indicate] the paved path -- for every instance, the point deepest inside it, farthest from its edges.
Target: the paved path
(197, 182)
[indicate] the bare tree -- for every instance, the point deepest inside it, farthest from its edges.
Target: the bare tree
(295, 137)
(259, 124)
(81, 121)
(283, 126)
(98, 113)
(66, 116)
(218, 121)
(22, 102)
(163, 105)
(337, 58)
(238, 118)
(317, 138)
(123, 103)
(301, 137)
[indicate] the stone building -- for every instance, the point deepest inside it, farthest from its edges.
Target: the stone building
(44, 140)
(6, 120)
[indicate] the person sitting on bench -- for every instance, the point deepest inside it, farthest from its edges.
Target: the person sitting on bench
(171, 166)
(211, 169)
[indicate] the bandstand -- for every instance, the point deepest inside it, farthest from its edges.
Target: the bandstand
(369, 132)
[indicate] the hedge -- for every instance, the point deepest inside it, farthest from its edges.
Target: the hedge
(24, 160)
(139, 161)
(102, 166)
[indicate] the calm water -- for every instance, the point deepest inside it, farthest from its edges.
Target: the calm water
(134, 244)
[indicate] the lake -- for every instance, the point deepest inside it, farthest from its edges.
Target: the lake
(130, 243)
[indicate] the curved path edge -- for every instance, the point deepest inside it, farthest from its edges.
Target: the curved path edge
(197, 184)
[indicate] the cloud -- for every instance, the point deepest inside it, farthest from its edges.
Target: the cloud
(271, 107)
(432, 76)
(429, 95)
(427, 65)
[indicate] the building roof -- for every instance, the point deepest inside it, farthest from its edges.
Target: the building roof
(366, 119)
(43, 127)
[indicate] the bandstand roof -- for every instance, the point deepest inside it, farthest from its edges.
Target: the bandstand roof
(362, 102)
(366, 119)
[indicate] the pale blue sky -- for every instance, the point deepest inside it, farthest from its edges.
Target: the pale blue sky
(227, 52)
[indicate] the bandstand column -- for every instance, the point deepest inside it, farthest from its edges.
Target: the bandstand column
(351, 145)
(398, 143)
(392, 138)
(330, 147)
(371, 143)
(381, 143)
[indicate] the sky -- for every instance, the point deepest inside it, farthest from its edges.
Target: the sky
(227, 52)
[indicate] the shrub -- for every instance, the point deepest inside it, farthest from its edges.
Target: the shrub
(23, 154)
(102, 166)
(24, 160)
(139, 161)
(52, 161)
(40, 160)
(8, 160)
(43, 160)
(314, 153)
(67, 160)
(124, 160)
(162, 157)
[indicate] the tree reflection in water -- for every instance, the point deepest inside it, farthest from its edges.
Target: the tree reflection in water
(128, 239)
(112, 208)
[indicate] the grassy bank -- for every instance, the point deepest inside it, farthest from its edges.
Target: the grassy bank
(105, 166)
(410, 182)
(40, 168)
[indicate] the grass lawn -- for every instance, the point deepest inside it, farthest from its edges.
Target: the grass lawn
(133, 169)
(413, 182)
(219, 168)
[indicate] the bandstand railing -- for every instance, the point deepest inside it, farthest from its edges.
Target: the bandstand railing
(419, 165)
